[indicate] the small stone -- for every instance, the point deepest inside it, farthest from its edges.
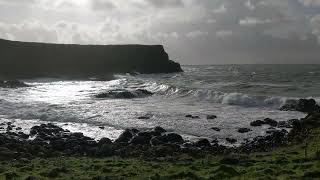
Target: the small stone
(231, 140)
(244, 130)
(216, 129)
(211, 116)
(257, 123)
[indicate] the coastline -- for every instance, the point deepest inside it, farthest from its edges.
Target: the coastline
(50, 141)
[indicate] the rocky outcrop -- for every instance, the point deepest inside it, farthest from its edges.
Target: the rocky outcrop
(124, 94)
(27, 59)
(12, 84)
(302, 105)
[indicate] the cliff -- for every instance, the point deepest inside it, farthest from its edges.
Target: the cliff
(28, 59)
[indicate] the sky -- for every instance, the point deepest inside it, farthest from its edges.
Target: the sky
(192, 31)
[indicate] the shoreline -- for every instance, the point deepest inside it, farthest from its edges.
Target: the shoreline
(118, 160)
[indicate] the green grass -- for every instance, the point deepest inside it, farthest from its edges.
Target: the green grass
(282, 163)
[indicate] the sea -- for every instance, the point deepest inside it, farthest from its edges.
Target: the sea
(236, 94)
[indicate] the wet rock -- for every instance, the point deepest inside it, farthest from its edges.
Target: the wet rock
(104, 141)
(302, 105)
(231, 140)
(216, 128)
(144, 117)
(101, 127)
(140, 140)
(202, 143)
(285, 124)
(12, 84)
(191, 116)
(271, 122)
(244, 130)
(211, 116)
(168, 138)
(125, 137)
(257, 123)
(124, 94)
(159, 129)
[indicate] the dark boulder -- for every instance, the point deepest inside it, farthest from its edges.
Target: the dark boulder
(159, 129)
(103, 141)
(124, 94)
(257, 123)
(302, 105)
(140, 140)
(211, 116)
(244, 130)
(192, 117)
(216, 128)
(12, 84)
(167, 138)
(271, 122)
(126, 136)
(231, 140)
(202, 143)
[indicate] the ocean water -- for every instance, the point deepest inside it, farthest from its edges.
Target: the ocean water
(236, 94)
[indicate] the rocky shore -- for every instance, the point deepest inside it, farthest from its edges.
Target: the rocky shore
(49, 140)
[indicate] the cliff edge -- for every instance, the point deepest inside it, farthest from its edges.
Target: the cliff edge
(29, 59)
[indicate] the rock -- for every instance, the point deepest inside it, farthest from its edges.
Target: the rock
(231, 140)
(211, 116)
(191, 116)
(168, 138)
(12, 84)
(257, 123)
(285, 124)
(106, 150)
(140, 140)
(125, 137)
(103, 141)
(203, 143)
(101, 127)
(244, 130)
(302, 105)
(159, 129)
(216, 128)
(144, 117)
(271, 122)
(124, 94)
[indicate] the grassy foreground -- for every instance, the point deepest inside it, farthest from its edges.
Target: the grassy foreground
(292, 162)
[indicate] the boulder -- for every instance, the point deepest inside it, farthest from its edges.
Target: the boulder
(125, 137)
(211, 116)
(191, 116)
(140, 140)
(124, 94)
(167, 138)
(231, 140)
(271, 122)
(302, 105)
(244, 130)
(257, 123)
(159, 129)
(216, 128)
(103, 141)
(12, 84)
(202, 143)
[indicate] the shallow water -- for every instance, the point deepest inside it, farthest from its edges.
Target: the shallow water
(237, 94)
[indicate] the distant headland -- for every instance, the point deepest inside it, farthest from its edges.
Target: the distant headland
(30, 59)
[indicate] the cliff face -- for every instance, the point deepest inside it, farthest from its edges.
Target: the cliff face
(26, 59)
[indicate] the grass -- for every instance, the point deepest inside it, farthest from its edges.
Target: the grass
(292, 162)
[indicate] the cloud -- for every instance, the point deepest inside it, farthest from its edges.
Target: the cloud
(102, 5)
(166, 3)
